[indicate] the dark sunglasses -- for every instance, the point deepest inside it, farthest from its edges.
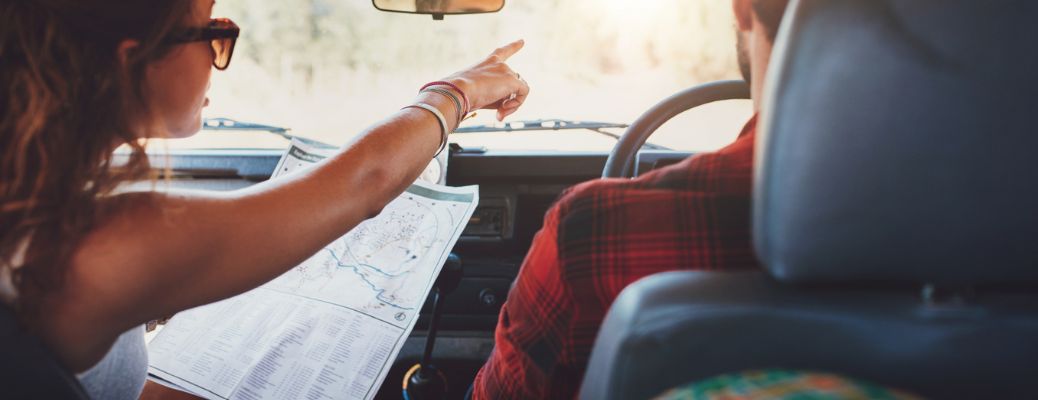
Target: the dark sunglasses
(222, 33)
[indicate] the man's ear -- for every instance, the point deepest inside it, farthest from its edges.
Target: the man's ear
(743, 14)
(126, 48)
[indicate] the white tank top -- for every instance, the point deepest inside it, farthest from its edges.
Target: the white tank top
(8, 291)
(123, 371)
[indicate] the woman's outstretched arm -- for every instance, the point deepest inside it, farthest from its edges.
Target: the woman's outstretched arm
(163, 253)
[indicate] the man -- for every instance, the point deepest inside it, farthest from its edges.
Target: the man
(603, 235)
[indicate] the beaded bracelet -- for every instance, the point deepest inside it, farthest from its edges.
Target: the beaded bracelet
(448, 94)
(464, 98)
(444, 130)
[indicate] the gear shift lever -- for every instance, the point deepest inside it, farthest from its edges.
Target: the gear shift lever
(423, 381)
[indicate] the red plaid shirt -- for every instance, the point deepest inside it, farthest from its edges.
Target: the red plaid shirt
(602, 236)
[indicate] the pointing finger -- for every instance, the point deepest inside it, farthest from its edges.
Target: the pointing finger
(509, 50)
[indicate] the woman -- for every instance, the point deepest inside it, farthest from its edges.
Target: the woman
(81, 264)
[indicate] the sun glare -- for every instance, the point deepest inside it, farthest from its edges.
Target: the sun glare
(633, 12)
(328, 72)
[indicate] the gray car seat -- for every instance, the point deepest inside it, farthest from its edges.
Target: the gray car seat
(895, 212)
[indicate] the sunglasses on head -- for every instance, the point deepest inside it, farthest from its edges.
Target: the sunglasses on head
(222, 33)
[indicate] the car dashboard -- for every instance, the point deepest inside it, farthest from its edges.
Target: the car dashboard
(516, 189)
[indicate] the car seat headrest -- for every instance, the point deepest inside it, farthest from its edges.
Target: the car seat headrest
(898, 143)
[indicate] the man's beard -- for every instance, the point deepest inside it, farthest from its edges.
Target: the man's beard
(743, 55)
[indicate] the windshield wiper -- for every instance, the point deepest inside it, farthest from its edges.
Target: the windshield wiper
(554, 125)
(227, 124)
(542, 125)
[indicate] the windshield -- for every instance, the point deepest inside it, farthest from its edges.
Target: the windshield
(327, 69)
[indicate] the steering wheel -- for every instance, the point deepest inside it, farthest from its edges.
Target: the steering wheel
(621, 159)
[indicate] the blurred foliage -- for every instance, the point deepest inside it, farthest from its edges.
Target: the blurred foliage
(583, 38)
(299, 61)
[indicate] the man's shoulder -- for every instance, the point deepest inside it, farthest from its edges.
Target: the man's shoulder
(585, 196)
(592, 210)
(588, 194)
(615, 207)
(694, 174)
(704, 172)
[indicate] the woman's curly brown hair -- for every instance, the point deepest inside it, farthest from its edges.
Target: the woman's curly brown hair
(68, 100)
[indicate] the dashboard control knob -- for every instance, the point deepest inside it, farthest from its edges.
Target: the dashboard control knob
(488, 297)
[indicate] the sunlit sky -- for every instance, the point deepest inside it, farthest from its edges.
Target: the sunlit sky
(329, 68)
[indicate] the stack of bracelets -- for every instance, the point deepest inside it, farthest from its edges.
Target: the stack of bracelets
(461, 105)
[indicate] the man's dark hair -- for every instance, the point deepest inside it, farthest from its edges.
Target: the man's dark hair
(770, 14)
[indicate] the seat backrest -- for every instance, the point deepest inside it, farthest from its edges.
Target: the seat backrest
(898, 142)
(28, 370)
(895, 209)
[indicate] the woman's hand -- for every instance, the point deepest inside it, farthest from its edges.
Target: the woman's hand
(492, 84)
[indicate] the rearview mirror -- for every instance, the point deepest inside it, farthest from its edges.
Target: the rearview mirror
(439, 8)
